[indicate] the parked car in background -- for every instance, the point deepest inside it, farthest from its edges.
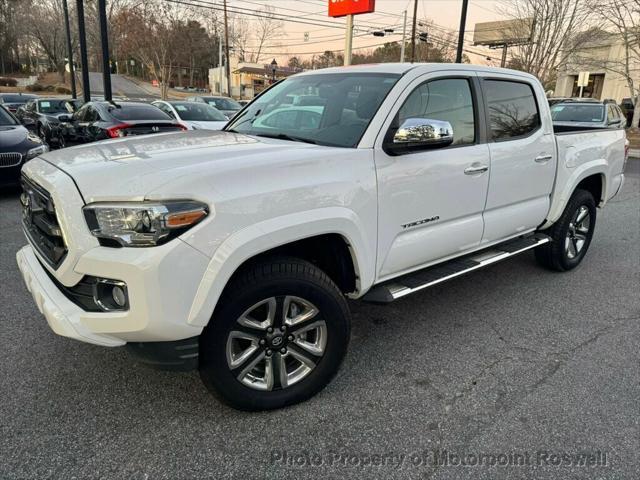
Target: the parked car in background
(13, 101)
(193, 115)
(226, 105)
(291, 118)
(40, 114)
(102, 120)
(17, 145)
(243, 103)
(587, 114)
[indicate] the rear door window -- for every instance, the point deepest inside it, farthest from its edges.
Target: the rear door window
(138, 112)
(513, 111)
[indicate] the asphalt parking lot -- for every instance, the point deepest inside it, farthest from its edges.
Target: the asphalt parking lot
(511, 365)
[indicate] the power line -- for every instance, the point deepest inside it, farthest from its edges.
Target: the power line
(288, 18)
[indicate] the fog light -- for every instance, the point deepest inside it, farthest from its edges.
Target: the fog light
(119, 296)
(110, 295)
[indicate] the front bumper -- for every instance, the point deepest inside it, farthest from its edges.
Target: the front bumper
(161, 282)
(63, 316)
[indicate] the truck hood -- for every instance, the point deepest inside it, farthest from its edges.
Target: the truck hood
(129, 168)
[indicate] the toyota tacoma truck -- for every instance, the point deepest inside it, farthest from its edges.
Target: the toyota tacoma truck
(234, 252)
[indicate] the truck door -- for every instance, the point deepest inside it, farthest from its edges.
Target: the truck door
(523, 156)
(430, 199)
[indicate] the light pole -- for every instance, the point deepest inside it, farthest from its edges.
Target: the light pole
(104, 42)
(463, 22)
(72, 72)
(86, 91)
(274, 67)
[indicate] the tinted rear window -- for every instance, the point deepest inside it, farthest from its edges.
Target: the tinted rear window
(223, 103)
(512, 108)
(138, 112)
(198, 111)
(577, 113)
(17, 98)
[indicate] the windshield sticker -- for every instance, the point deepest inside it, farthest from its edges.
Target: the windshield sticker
(45, 104)
(180, 108)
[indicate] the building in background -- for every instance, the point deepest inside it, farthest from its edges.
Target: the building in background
(247, 79)
(604, 59)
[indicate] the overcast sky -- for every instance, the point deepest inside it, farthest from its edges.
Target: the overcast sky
(445, 13)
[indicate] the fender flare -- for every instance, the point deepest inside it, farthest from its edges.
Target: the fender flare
(597, 167)
(269, 234)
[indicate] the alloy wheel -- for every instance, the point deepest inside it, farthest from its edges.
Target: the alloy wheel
(276, 343)
(578, 232)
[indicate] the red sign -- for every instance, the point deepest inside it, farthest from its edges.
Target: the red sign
(340, 8)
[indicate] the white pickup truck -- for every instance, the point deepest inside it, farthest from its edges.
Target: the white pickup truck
(234, 251)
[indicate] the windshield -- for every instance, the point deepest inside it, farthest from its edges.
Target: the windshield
(223, 103)
(577, 113)
(138, 112)
(54, 106)
(6, 118)
(328, 109)
(198, 112)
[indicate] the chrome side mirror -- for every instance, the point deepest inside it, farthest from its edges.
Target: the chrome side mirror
(424, 131)
(421, 134)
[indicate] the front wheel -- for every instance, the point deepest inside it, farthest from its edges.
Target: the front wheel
(571, 235)
(277, 337)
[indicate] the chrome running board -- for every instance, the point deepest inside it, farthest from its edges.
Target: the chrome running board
(414, 282)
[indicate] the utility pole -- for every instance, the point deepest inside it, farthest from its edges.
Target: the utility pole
(83, 52)
(104, 42)
(404, 36)
(220, 64)
(226, 49)
(463, 23)
(348, 40)
(69, 49)
(413, 31)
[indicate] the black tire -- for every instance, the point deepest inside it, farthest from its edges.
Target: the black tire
(558, 255)
(276, 282)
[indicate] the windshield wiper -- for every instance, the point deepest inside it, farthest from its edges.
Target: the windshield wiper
(284, 136)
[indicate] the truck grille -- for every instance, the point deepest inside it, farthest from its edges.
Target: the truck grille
(41, 224)
(10, 159)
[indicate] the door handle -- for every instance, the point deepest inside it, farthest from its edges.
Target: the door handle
(543, 158)
(476, 168)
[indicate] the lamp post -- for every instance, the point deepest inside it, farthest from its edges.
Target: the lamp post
(274, 67)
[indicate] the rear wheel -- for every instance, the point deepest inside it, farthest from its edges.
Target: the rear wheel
(277, 337)
(571, 234)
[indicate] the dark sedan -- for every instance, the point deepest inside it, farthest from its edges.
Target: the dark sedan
(13, 101)
(17, 145)
(43, 115)
(102, 120)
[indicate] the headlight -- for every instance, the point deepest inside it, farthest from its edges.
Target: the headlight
(34, 152)
(142, 224)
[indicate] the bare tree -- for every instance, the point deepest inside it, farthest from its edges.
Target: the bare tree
(151, 39)
(249, 38)
(41, 21)
(556, 24)
(267, 28)
(622, 19)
